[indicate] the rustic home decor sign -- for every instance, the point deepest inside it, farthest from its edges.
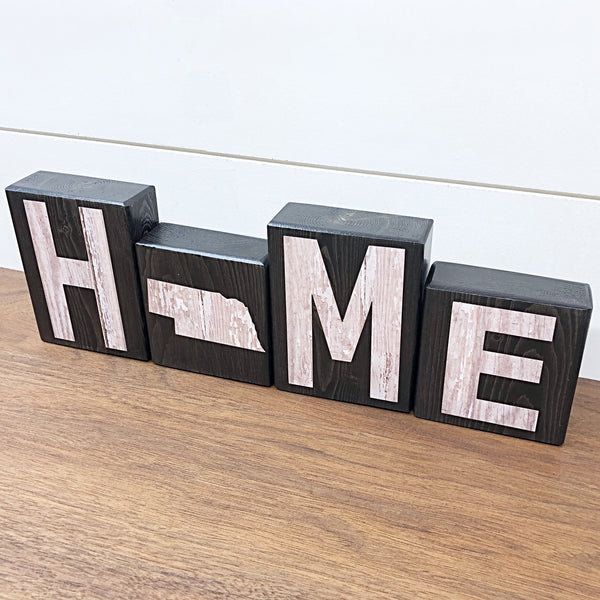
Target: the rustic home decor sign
(337, 303)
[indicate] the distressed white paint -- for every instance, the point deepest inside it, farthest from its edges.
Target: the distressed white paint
(466, 360)
(204, 315)
(379, 285)
(95, 273)
(96, 242)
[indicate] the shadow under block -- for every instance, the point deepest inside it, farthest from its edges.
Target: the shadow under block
(345, 292)
(76, 236)
(501, 351)
(206, 295)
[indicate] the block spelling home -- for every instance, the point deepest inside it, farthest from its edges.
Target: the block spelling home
(331, 305)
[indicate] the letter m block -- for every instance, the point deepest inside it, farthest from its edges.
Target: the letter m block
(76, 236)
(345, 293)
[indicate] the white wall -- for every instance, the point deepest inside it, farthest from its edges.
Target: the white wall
(504, 94)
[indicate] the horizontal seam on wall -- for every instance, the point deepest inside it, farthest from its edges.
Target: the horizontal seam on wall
(292, 163)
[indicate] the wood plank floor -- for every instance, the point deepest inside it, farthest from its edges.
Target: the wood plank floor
(123, 479)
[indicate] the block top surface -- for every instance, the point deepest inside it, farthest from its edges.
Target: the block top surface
(206, 242)
(78, 187)
(494, 283)
(346, 221)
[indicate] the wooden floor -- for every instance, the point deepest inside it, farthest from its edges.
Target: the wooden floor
(123, 479)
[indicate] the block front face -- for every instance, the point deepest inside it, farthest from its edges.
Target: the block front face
(345, 289)
(76, 236)
(501, 351)
(207, 302)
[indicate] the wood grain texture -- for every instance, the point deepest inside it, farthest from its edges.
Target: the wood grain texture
(96, 273)
(379, 287)
(55, 271)
(98, 250)
(335, 352)
(466, 360)
(204, 315)
(526, 338)
(159, 484)
(213, 313)
(83, 278)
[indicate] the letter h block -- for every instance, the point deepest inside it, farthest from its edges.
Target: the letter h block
(206, 295)
(345, 290)
(501, 351)
(76, 236)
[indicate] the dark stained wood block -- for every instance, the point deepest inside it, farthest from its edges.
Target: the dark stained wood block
(76, 236)
(345, 289)
(206, 295)
(501, 351)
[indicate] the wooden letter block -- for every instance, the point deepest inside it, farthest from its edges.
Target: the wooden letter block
(206, 295)
(76, 236)
(501, 351)
(345, 288)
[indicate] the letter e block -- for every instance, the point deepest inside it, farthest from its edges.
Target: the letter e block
(345, 289)
(501, 351)
(206, 295)
(76, 236)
